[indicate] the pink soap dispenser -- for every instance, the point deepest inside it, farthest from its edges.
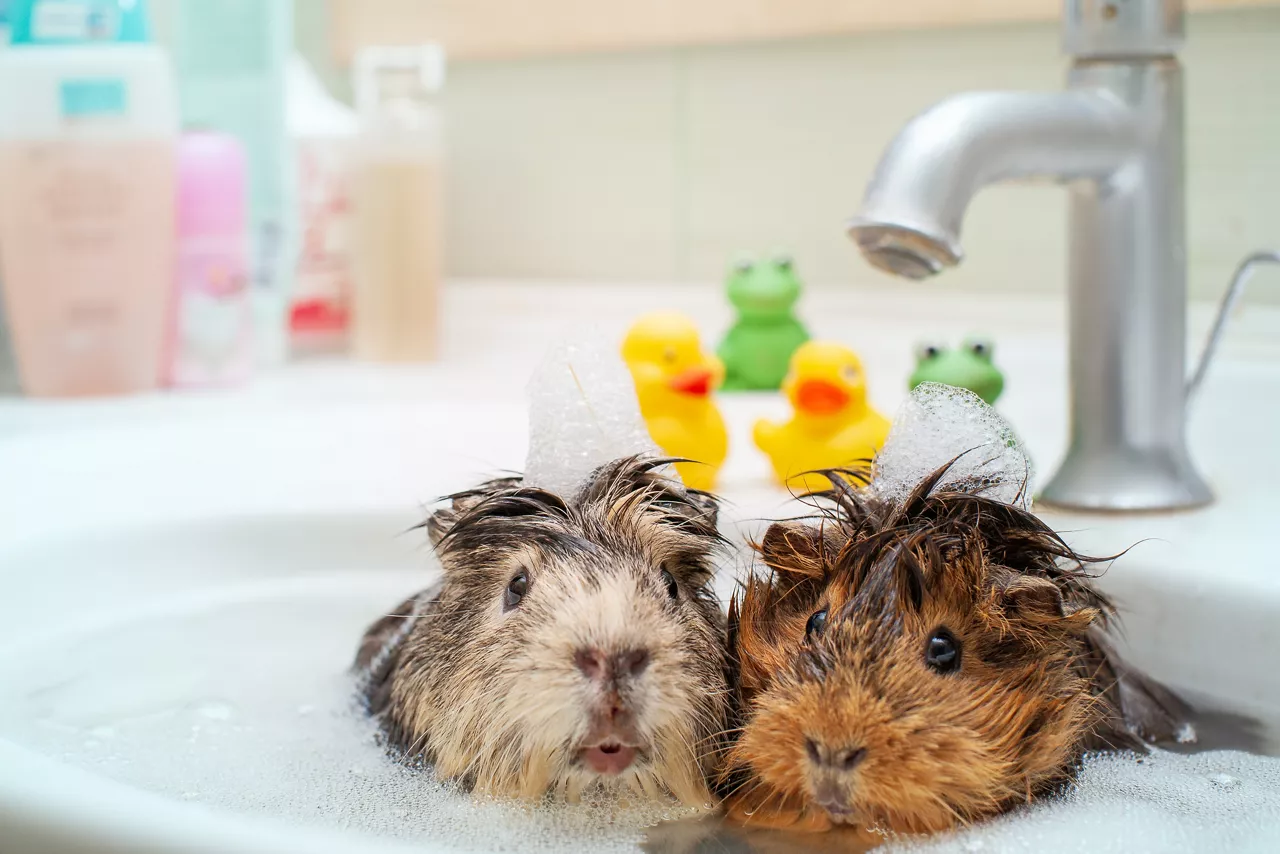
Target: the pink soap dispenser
(211, 334)
(88, 121)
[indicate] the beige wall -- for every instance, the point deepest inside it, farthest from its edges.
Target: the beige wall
(665, 164)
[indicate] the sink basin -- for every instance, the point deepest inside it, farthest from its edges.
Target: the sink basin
(184, 580)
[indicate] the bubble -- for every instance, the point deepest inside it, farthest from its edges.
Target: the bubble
(1224, 780)
(583, 413)
(326, 769)
(1119, 804)
(940, 423)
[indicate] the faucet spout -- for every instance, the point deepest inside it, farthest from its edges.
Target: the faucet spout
(912, 211)
(1116, 136)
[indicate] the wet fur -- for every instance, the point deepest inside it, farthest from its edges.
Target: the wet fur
(1039, 683)
(493, 698)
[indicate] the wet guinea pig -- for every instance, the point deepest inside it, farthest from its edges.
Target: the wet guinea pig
(571, 641)
(916, 666)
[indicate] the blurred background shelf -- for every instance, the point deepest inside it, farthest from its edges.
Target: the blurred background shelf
(518, 28)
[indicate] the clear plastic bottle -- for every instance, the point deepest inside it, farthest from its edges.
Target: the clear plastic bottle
(397, 193)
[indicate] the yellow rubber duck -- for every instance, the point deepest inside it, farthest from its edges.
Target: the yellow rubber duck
(674, 379)
(832, 424)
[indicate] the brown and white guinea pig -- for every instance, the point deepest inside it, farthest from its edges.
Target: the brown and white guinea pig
(572, 640)
(913, 666)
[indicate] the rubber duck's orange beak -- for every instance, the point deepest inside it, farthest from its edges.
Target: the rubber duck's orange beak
(819, 397)
(695, 381)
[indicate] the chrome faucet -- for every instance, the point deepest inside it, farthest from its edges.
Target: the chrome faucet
(1116, 137)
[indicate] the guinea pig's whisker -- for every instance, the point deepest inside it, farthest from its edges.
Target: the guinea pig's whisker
(650, 786)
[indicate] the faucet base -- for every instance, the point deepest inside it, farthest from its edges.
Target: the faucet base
(1126, 481)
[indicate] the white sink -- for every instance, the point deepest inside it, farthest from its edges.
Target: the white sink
(178, 565)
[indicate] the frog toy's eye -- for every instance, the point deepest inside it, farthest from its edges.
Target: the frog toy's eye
(927, 352)
(979, 347)
(744, 265)
(783, 262)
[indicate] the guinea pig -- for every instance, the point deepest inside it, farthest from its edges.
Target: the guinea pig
(572, 640)
(913, 666)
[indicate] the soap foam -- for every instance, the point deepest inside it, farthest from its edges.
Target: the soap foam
(583, 413)
(1208, 803)
(248, 707)
(941, 423)
(243, 703)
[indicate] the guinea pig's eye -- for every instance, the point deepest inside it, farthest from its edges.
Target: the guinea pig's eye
(673, 589)
(516, 588)
(943, 652)
(816, 624)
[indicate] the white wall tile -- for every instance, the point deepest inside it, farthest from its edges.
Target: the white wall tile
(664, 165)
(1233, 146)
(783, 137)
(563, 167)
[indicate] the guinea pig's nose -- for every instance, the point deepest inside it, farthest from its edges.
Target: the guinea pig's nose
(601, 667)
(633, 661)
(838, 759)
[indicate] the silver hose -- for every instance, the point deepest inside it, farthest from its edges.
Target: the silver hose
(1234, 291)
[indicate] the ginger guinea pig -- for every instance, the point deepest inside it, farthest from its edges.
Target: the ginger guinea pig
(573, 640)
(919, 665)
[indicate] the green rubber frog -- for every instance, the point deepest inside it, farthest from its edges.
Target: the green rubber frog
(969, 366)
(758, 347)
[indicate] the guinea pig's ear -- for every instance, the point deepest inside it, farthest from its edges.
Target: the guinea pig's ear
(797, 550)
(706, 506)
(1036, 599)
(441, 521)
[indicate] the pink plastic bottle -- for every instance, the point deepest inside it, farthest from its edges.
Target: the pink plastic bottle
(88, 119)
(212, 327)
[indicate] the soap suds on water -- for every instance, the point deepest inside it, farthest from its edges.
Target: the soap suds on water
(247, 707)
(250, 708)
(938, 424)
(583, 413)
(1207, 803)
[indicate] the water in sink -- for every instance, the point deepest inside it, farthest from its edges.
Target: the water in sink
(244, 703)
(233, 691)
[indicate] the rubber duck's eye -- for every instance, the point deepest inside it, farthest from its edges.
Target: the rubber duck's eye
(816, 624)
(673, 589)
(517, 587)
(669, 355)
(925, 352)
(850, 373)
(981, 349)
(943, 652)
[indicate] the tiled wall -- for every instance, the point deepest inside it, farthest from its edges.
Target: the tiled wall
(664, 165)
